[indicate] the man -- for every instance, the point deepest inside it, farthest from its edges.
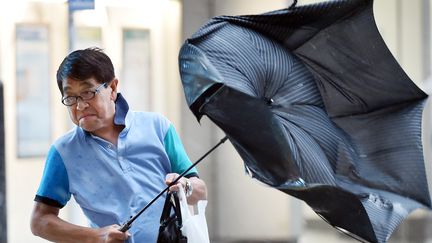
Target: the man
(113, 163)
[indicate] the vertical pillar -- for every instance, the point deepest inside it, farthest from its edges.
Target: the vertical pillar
(411, 42)
(413, 36)
(199, 137)
(3, 219)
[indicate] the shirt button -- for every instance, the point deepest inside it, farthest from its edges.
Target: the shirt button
(109, 146)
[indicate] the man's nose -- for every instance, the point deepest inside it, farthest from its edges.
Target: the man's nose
(81, 104)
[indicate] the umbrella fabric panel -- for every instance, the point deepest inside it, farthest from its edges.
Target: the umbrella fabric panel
(245, 62)
(323, 36)
(246, 66)
(385, 209)
(388, 217)
(199, 78)
(324, 149)
(356, 75)
(303, 22)
(262, 68)
(389, 150)
(348, 213)
(245, 115)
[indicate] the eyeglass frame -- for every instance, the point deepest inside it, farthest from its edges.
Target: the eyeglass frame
(97, 90)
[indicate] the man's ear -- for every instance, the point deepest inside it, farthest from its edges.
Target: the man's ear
(113, 86)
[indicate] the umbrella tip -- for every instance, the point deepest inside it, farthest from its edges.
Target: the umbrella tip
(293, 4)
(269, 101)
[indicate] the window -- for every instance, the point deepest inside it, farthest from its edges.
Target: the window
(32, 90)
(136, 68)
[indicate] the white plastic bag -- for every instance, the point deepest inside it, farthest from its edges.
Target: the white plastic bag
(194, 226)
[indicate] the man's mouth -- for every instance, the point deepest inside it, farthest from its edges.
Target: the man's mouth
(85, 116)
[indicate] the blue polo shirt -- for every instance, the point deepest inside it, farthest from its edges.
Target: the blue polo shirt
(112, 183)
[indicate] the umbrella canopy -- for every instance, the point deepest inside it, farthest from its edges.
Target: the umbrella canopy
(317, 107)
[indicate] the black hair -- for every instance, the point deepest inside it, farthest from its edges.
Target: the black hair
(84, 64)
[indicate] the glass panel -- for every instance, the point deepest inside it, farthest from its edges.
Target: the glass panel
(33, 90)
(135, 81)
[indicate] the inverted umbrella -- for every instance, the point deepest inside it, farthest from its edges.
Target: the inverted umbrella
(317, 107)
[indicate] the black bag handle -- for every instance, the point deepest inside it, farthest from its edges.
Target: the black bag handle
(177, 209)
(166, 212)
(171, 223)
(166, 209)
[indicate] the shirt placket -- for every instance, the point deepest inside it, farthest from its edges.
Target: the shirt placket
(121, 153)
(115, 152)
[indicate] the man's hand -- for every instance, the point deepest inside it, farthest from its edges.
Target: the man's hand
(197, 187)
(45, 223)
(112, 234)
(171, 177)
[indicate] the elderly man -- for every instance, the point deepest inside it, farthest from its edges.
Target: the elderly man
(113, 162)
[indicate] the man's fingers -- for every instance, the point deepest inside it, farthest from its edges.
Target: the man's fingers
(115, 235)
(170, 177)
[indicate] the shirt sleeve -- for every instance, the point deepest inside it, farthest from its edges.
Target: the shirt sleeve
(179, 160)
(54, 187)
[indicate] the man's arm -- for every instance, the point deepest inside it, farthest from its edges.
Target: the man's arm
(199, 191)
(45, 223)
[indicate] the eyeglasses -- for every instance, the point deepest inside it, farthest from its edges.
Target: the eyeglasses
(86, 95)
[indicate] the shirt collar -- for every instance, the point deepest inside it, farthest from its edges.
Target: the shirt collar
(121, 109)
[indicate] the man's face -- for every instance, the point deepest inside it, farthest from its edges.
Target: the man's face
(95, 115)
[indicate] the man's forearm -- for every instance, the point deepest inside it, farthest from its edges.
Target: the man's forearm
(54, 229)
(199, 191)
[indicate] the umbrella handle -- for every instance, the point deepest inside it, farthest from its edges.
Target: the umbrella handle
(293, 4)
(128, 224)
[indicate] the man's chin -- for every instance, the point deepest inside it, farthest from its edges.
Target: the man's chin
(86, 127)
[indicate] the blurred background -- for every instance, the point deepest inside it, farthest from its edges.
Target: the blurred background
(143, 38)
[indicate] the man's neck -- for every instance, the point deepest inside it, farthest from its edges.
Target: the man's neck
(110, 135)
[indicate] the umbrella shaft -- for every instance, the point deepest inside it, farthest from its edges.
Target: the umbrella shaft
(128, 224)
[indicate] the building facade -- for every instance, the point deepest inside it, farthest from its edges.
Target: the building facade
(143, 38)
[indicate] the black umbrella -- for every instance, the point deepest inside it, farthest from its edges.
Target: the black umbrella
(317, 107)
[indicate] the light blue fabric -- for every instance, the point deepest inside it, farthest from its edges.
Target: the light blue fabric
(113, 183)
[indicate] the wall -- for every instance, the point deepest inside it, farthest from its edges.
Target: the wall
(22, 175)
(237, 204)
(160, 17)
(3, 203)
